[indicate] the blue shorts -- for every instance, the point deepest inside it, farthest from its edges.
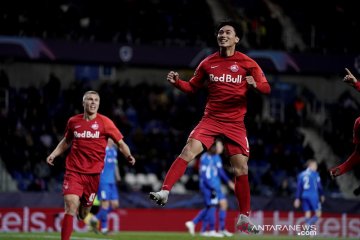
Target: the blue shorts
(311, 204)
(108, 191)
(219, 194)
(206, 192)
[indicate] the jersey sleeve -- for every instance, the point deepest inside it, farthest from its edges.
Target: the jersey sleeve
(69, 135)
(357, 86)
(195, 83)
(111, 130)
(356, 131)
(262, 85)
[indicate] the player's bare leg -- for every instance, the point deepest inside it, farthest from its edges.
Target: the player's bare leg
(192, 148)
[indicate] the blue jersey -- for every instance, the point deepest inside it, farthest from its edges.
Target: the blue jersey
(211, 171)
(309, 185)
(222, 176)
(108, 173)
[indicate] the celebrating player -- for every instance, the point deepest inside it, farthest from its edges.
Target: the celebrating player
(87, 134)
(228, 75)
(354, 158)
(310, 192)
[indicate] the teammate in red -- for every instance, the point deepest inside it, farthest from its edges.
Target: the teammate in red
(354, 158)
(87, 134)
(228, 75)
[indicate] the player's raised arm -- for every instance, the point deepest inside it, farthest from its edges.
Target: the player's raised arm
(351, 80)
(191, 86)
(172, 77)
(349, 77)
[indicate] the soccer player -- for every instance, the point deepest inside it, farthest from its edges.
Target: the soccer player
(228, 75)
(87, 133)
(107, 193)
(211, 173)
(309, 192)
(354, 158)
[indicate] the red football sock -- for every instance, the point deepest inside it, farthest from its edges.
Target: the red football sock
(242, 193)
(67, 227)
(175, 172)
(353, 160)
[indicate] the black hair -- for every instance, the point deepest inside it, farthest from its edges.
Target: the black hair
(237, 27)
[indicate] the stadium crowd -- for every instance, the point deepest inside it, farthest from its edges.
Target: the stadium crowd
(268, 24)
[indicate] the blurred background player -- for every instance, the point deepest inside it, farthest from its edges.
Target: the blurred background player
(309, 192)
(228, 75)
(211, 173)
(107, 193)
(87, 134)
(354, 158)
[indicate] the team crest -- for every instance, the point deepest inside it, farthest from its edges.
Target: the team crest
(95, 126)
(66, 185)
(234, 68)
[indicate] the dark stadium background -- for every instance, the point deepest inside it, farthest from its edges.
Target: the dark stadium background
(53, 51)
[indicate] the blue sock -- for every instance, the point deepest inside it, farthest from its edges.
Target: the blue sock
(205, 223)
(102, 216)
(200, 216)
(211, 217)
(312, 220)
(222, 217)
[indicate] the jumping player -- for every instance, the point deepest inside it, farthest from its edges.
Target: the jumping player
(228, 75)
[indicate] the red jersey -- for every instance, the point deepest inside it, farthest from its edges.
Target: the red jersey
(226, 83)
(89, 140)
(356, 131)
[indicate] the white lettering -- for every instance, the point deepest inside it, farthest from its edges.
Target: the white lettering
(354, 228)
(225, 78)
(11, 222)
(38, 219)
(331, 227)
(26, 219)
(87, 134)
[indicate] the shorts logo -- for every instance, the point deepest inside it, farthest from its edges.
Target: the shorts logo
(234, 68)
(66, 185)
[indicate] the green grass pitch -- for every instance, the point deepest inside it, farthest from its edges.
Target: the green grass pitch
(141, 236)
